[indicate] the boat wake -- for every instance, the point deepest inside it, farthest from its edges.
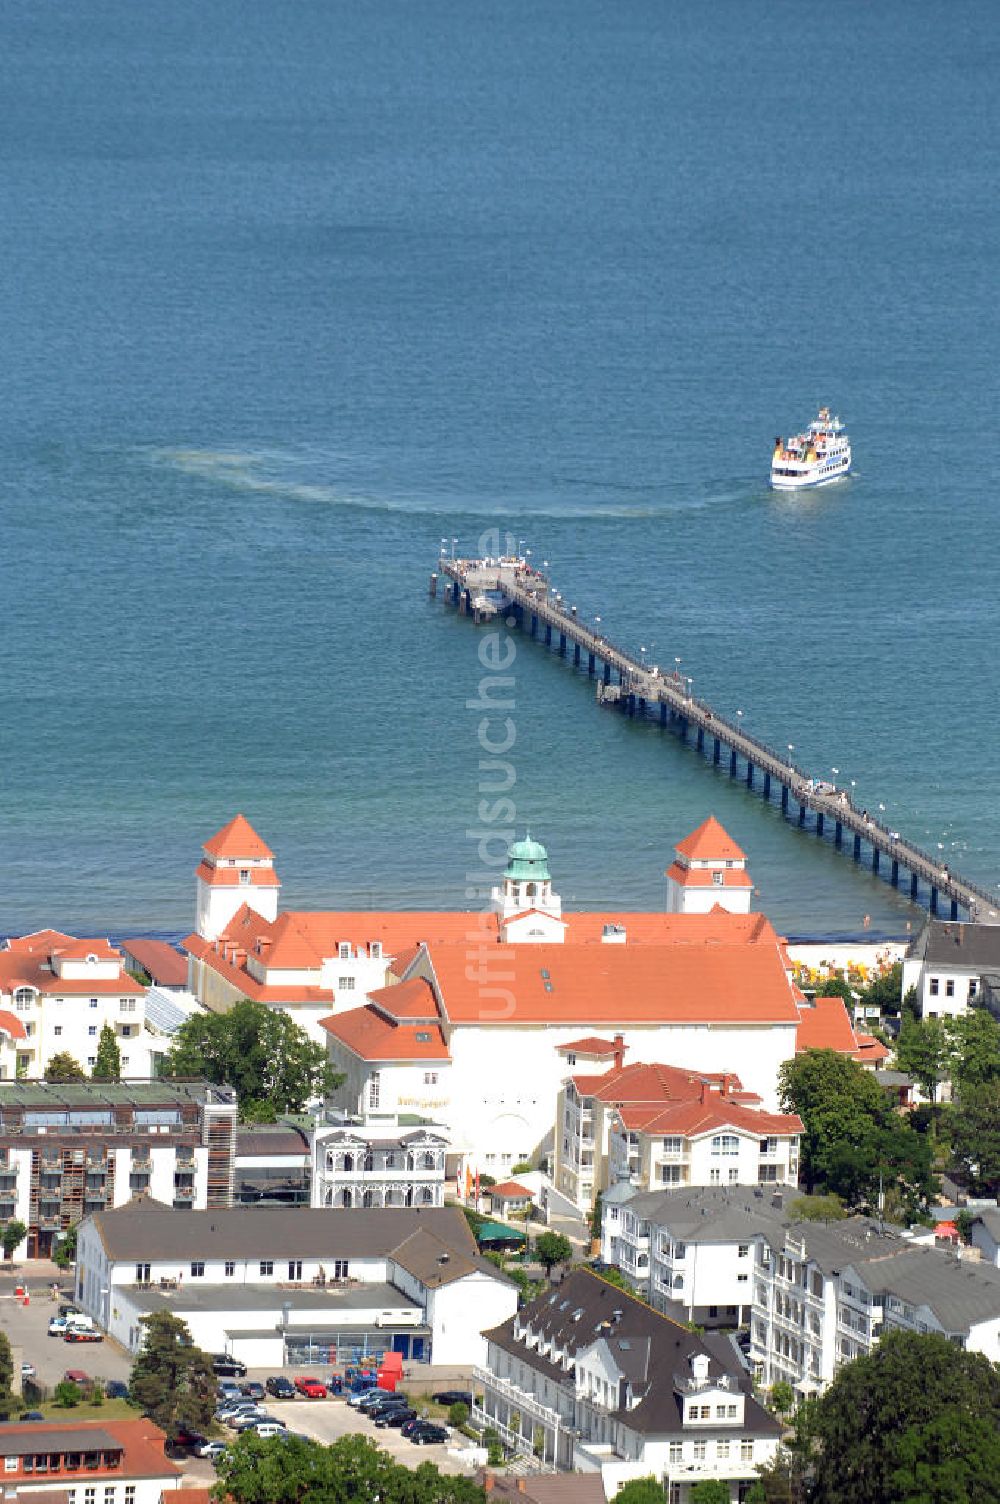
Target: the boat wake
(261, 471)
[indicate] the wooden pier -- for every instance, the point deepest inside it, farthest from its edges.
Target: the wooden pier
(487, 588)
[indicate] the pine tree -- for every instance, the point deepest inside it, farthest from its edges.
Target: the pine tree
(109, 1059)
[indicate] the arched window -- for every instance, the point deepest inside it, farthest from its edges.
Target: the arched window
(348, 1162)
(24, 997)
(725, 1143)
(347, 1198)
(369, 1161)
(368, 1199)
(529, 890)
(429, 1161)
(427, 1195)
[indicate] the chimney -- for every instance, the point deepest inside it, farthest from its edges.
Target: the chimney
(619, 1042)
(704, 1091)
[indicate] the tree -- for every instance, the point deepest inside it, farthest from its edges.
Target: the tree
(524, 1168)
(64, 1253)
(921, 1051)
(552, 1248)
(710, 1491)
(882, 1438)
(885, 991)
(828, 1208)
(67, 1394)
(353, 1470)
(837, 987)
(261, 1052)
(642, 1491)
(972, 1048)
(108, 1066)
(782, 1397)
(458, 1415)
(64, 1067)
(14, 1232)
(172, 1380)
(7, 1399)
(975, 1137)
(597, 1215)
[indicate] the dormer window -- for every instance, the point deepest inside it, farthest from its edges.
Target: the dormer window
(376, 950)
(244, 876)
(718, 879)
(344, 950)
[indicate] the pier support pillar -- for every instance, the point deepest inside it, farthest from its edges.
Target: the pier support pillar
(433, 586)
(894, 876)
(607, 673)
(749, 775)
(576, 655)
(716, 752)
(682, 729)
(534, 625)
(784, 798)
(548, 634)
(663, 712)
(819, 822)
(954, 908)
(802, 814)
(642, 707)
(767, 785)
(562, 644)
(732, 763)
(591, 664)
(934, 901)
(630, 702)
(857, 847)
(838, 835)
(454, 592)
(701, 739)
(876, 854)
(914, 886)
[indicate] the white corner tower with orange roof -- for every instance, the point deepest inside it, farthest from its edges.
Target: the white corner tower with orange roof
(236, 869)
(709, 871)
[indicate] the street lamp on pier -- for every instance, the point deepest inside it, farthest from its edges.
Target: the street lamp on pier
(690, 688)
(791, 750)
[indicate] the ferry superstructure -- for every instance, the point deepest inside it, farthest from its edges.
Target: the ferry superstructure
(814, 458)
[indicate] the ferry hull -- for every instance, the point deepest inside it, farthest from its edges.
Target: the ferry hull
(808, 482)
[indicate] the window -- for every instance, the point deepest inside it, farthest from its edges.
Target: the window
(57, 1030)
(722, 1450)
(700, 1451)
(746, 1451)
(23, 998)
(92, 1029)
(89, 1494)
(91, 1061)
(295, 1270)
(197, 1269)
(230, 1268)
(718, 879)
(767, 1174)
(743, 1251)
(130, 1493)
(374, 1089)
(126, 1031)
(680, 1250)
(973, 985)
(10, 1464)
(142, 1274)
(715, 1177)
(949, 987)
(345, 984)
(670, 1174)
(267, 1266)
(430, 1078)
(676, 1451)
(570, 1058)
(244, 876)
(672, 1145)
(126, 1005)
(725, 1143)
(734, 1176)
(93, 1002)
(769, 1146)
(340, 1268)
(742, 1279)
(109, 1493)
(376, 950)
(934, 985)
(344, 950)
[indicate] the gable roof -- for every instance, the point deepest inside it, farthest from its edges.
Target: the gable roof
(367, 1033)
(824, 1025)
(953, 943)
(710, 842)
(237, 839)
(592, 1045)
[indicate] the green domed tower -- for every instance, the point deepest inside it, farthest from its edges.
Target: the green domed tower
(527, 882)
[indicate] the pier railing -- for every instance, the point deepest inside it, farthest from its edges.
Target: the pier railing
(642, 689)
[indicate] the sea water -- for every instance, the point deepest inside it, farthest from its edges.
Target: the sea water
(292, 293)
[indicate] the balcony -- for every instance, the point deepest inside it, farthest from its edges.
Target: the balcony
(518, 1398)
(183, 1192)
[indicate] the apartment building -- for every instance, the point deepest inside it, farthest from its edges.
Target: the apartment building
(952, 967)
(378, 1163)
(73, 1461)
(590, 1380)
(74, 1148)
(831, 1290)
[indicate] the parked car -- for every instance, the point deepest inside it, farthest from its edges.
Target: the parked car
(116, 1389)
(312, 1389)
(226, 1413)
(211, 1449)
(428, 1435)
(378, 1397)
(186, 1437)
(280, 1387)
(228, 1389)
(81, 1334)
(68, 1309)
(358, 1396)
(57, 1326)
(77, 1376)
(31, 1415)
(250, 1422)
(228, 1367)
(394, 1415)
(253, 1390)
(453, 1397)
(269, 1428)
(240, 1418)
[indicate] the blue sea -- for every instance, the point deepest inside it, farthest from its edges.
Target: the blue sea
(293, 292)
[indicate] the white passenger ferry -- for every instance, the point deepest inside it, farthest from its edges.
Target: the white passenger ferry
(813, 458)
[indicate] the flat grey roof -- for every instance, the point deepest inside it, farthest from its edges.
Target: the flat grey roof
(76, 1094)
(46, 1437)
(200, 1297)
(146, 1231)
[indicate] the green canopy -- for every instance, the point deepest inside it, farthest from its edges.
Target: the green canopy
(498, 1232)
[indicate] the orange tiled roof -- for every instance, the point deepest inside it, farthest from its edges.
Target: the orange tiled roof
(410, 1000)
(711, 841)
(371, 1036)
(824, 1025)
(617, 984)
(870, 1049)
(510, 1190)
(229, 877)
(652, 1084)
(592, 1045)
(27, 963)
(237, 839)
(141, 1441)
(12, 1025)
(693, 1118)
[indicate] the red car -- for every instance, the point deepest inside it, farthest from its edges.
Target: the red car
(80, 1335)
(311, 1388)
(77, 1376)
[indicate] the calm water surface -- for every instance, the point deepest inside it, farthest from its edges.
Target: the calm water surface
(293, 292)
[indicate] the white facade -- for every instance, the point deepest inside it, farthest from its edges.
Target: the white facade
(727, 1156)
(373, 1165)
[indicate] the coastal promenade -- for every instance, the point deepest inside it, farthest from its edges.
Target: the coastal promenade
(486, 588)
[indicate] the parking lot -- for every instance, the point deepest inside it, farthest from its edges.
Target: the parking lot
(27, 1328)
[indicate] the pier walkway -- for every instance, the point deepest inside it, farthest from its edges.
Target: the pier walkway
(486, 588)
